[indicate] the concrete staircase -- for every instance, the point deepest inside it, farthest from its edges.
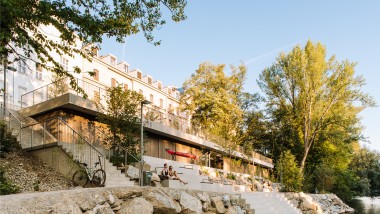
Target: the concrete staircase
(36, 136)
(269, 203)
(190, 173)
(115, 177)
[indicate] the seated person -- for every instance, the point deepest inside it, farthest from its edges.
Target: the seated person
(173, 175)
(164, 173)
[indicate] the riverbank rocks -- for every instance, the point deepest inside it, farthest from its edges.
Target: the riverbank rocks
(330, 203)
(217, 203)
(137, 203)
(155, 177)
(318, 203)
(120, 200)
(190, 204)
(161, 202)
(133, 172)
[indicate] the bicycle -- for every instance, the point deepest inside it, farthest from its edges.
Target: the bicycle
(96, 176)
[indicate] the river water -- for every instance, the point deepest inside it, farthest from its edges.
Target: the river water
(365, 205)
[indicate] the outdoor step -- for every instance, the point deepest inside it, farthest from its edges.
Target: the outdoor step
(269, 203)
(112, 183)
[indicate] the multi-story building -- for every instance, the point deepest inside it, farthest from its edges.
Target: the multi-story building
(31, 91)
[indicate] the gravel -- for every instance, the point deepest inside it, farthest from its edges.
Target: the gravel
(31, 174)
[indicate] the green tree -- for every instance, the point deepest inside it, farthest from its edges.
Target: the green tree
(288, 172)
(121, 117)
(213, 100)
(90, 20)
(257, 131)
(6, 187)
(58, 87)
(366, 165)
(308, 94)
(8, 142)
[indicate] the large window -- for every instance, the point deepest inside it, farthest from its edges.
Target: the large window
(161, 103)
(139, 75)
(151, 98)
(38, 75)
(39, 70)
(65, 63)
(22, 66)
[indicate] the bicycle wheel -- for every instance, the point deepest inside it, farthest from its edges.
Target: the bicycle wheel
(80, 178)
(99, 178)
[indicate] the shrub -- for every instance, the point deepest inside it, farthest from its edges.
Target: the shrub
(231, 176)
(289, 171)
(8, 141)
(36, 186)
(7, 188)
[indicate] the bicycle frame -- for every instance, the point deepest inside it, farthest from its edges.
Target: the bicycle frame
(97, 176)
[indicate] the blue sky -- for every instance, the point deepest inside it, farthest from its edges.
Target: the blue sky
(254, 32)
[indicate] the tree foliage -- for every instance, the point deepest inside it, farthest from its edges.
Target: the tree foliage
(314, 99)
(213, 100)
(289, 172)
(121, 118)
(21, 21)
(8, 142)
(366, 166)
(6, 187)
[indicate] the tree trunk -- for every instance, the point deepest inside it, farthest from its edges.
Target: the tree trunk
(305, 154)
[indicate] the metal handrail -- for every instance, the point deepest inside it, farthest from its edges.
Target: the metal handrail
(71, 131)
(4, 111)
(122, 147)
(14, 116)
(80, 136)
(44, 94)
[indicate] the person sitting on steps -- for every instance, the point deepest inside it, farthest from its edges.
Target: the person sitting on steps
(164, 173)
(173, 175)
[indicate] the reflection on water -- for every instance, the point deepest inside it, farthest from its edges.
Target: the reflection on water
(365, 205)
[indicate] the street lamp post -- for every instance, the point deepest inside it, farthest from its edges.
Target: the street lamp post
(145, 102)
(5, 69)
(5, 82)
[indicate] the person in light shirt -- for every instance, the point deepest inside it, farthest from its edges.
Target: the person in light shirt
(173, 175)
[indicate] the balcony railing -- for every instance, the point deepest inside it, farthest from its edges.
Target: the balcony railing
(60, 87)
(154, 114)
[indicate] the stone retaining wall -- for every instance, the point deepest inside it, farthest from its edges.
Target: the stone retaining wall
(318, 203)
(122, 200)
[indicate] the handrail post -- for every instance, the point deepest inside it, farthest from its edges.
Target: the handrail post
(73, 143)
(125, 160)
(20, 133)
(43, 130)
(31, 136)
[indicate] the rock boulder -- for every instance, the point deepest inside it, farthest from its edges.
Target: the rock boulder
(217, 203)
(161, 202)
(190, 204)
(133, 172)
(136, 205)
